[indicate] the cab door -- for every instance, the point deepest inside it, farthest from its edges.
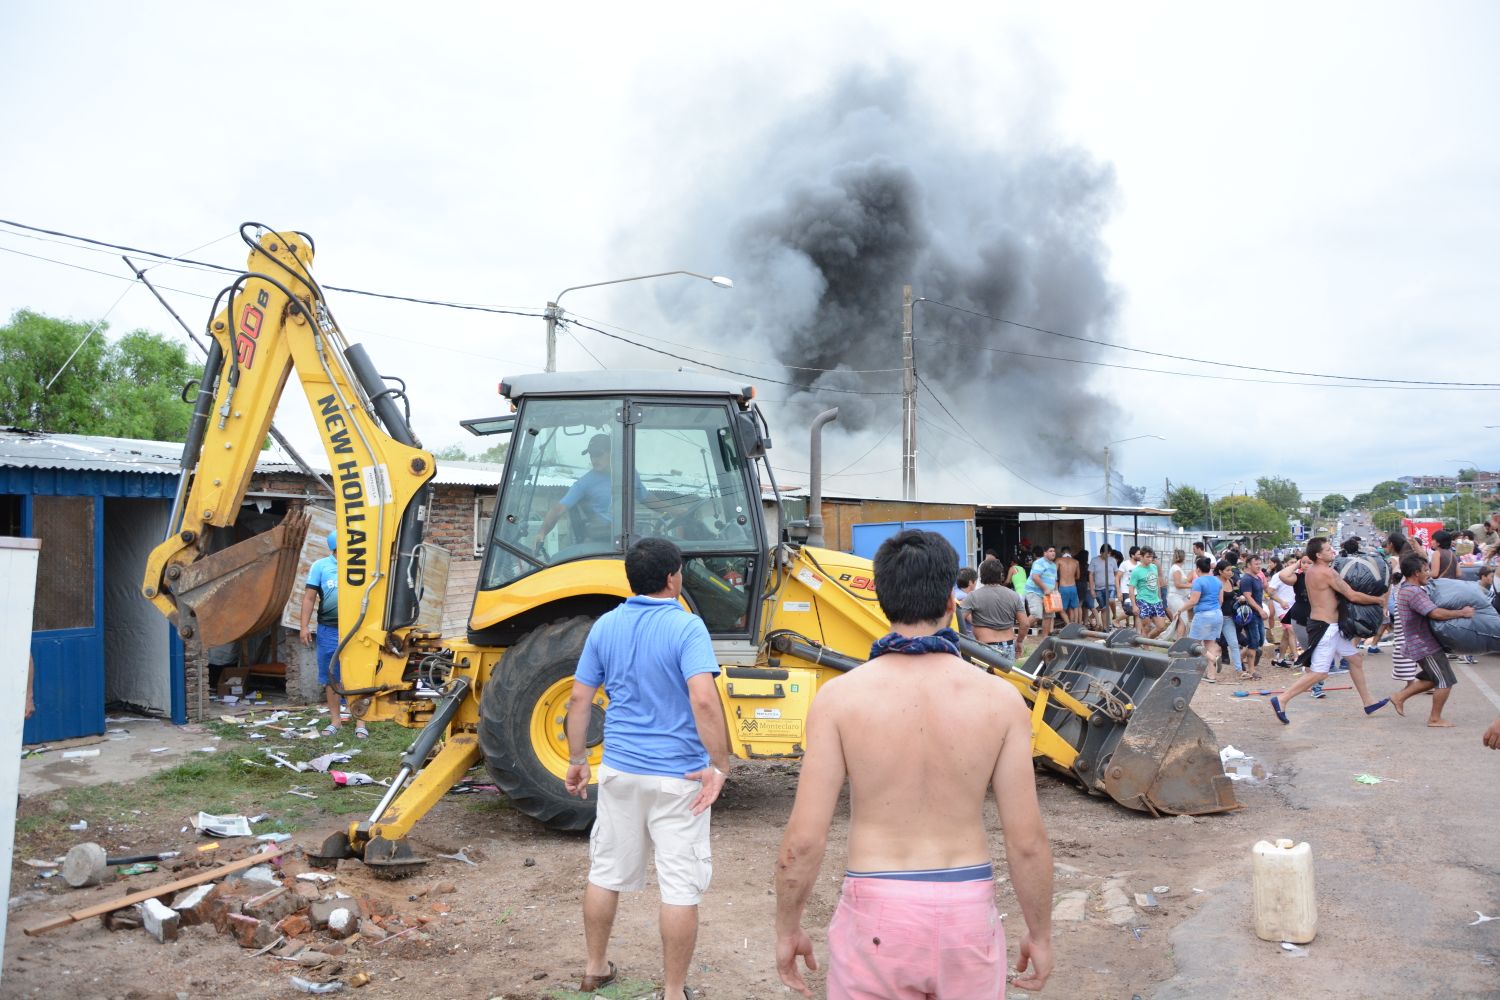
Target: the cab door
(693, 485)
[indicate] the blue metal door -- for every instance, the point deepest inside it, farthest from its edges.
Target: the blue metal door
(67, 639)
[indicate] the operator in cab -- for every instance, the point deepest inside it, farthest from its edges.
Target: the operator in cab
(590, 498)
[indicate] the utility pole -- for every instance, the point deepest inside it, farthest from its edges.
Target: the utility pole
(908, 400)
(1106, 497)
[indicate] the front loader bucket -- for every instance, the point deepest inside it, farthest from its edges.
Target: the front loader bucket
(1141, 743)
(241, 590)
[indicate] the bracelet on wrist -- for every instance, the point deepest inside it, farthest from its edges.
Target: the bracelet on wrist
(579, 760)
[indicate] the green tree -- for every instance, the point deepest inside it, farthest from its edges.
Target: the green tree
(1386, 519)
(1467, 475)
(126, 388)
(1333, 505)
(1242, 513)
(1280, 493)
(452, 453)
(1191, 505)
(1387, 492)
(493, 455)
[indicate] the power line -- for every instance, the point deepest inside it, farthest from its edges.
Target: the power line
(1199, 361)
(720, 368)
(535, 314)
(736, 357)
(1415, 386)
(1001, 462)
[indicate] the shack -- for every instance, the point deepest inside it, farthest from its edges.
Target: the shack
(100, 505)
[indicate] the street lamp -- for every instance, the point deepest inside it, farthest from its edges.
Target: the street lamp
(1111, 444)
(553, 312)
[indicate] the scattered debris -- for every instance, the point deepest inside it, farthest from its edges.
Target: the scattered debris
(138, 869)
(1482, 919)
(1161, 890)
(275, 838)
(222, 826)
(1240, 766)
(160, 749)
(1368, 779)
(323, 763)
(307, 987)
(317, 878)
(1146, 900)
(79, 827)
(460, 856)
(1293, 950)
(80, 754)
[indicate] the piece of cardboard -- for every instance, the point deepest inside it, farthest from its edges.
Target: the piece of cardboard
(233, 681)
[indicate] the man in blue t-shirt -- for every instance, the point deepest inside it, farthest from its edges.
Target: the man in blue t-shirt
(1041, 581)
(322, 593)
(666, 756)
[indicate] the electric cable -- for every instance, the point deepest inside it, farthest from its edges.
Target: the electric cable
(1200, 361)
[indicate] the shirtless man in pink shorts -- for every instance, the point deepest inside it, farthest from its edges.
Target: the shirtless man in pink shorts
(921, 736)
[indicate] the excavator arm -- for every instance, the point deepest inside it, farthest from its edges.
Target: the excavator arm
(270, 322)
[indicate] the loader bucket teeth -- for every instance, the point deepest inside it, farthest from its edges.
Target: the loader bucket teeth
(1136, 736)
(392, 859)
(240, 590)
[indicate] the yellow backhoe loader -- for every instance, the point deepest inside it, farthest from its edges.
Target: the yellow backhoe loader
(595, 461)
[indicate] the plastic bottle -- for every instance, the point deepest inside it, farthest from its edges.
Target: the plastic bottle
(1286, 905)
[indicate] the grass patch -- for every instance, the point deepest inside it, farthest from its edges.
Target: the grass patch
(237, 778)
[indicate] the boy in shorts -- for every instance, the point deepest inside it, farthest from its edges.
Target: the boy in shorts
(1417, 612)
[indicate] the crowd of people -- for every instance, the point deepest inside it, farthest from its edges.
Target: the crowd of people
(1249, 608)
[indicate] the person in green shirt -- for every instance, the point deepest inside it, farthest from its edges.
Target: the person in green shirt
(1023, 621)
(1145, 580)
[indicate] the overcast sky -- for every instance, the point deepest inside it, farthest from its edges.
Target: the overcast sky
(1305, 187)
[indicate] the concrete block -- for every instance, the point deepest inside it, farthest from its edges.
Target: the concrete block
(322, 909)
(160, 920)
(192, 905)
(1114, 897)
(342, 922)
(1121, 916)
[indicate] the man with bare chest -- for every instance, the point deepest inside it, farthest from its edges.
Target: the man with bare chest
(1067, 585)
(1326, 645)
(921, 736)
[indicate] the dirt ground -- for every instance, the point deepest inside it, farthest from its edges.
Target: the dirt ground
(1402, 868)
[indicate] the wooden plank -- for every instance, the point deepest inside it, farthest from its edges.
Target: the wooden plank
(160, 890)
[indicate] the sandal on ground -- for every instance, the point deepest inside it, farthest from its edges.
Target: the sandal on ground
(361, 733)
(329, 730)
(592, 984)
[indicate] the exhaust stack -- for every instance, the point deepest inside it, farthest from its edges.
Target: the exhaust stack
(815, 478)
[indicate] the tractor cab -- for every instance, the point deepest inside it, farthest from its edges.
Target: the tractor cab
(598, 460)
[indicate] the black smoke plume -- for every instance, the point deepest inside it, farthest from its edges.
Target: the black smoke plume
(863, 191)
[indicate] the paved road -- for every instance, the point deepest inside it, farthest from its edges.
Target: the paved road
(1402, 866)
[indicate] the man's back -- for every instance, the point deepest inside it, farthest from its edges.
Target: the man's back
(1067, 571)
(921, 737)
(994, 606)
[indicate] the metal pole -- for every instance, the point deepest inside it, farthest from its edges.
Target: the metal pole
(551, 317)
(908, 400)
(1106, 497)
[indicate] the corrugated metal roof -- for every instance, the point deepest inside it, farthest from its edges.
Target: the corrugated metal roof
(90, 453)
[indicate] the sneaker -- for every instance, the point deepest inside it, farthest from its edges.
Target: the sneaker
(1373, 648)
(1467, 659)
(1342, 668)
(1317, 690)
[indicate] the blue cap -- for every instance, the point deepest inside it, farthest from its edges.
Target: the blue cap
(333, 541)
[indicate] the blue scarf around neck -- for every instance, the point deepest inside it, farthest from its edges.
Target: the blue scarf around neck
(944, 640)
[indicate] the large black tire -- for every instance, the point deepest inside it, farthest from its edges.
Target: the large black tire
(507, 705)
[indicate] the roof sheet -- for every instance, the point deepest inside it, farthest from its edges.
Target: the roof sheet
(90, 453)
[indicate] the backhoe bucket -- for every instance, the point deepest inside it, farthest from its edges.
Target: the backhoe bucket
(241, 590)
(1142, 744)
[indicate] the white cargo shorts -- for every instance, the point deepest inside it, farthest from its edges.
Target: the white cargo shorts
(644, 812)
